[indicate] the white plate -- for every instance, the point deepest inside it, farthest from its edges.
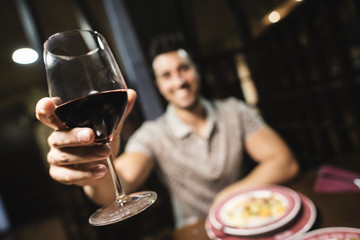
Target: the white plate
(303, 222)
(256, 211)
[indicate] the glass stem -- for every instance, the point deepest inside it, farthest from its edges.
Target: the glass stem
(119, 190)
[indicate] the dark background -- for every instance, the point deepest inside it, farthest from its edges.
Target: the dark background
(306, 69)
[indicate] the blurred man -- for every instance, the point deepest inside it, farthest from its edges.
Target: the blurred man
(196, 146)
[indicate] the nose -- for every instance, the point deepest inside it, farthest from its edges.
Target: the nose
(179, 80)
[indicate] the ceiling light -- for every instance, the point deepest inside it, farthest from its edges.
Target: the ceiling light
(25, 56)
(274, 16)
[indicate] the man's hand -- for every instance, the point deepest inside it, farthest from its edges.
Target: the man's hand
(74, 158)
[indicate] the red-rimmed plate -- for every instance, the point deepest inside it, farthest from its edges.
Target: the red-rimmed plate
(301, 224)
(256, 211)
(343, 233)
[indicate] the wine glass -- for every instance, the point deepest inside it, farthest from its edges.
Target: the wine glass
(88, 90)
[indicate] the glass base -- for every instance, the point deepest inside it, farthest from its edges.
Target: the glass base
(118, 211)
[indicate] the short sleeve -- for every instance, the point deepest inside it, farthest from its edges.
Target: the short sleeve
(141, 140)
(251, 120)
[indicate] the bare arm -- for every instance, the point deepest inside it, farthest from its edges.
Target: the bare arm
(133, 168)
(276, 163)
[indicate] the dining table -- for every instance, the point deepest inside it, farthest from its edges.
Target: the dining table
(333, 209)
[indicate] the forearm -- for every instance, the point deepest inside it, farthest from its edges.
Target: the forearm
(133, 170)
(102, 192)
(272, 171)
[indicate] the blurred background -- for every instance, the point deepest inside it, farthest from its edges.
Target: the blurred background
(296, 62)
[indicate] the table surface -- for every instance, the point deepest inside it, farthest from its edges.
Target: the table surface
(333, 209)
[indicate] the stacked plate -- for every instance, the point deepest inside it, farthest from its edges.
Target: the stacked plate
(343, 233)
(268, 213)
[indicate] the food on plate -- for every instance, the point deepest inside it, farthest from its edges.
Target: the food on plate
(255, 211)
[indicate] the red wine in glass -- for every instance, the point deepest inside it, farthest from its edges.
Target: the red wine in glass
(102, 112)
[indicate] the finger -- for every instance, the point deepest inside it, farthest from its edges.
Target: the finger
(80, 175)
(131, 101)
(45, 113)
(77, 155)
(71, 137)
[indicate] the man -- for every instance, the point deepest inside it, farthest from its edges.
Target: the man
(196, 146)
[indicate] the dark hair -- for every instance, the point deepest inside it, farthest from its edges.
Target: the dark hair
(166, 43)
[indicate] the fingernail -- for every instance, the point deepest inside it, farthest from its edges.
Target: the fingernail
(42, 108)
(99, 171)
(83, 136)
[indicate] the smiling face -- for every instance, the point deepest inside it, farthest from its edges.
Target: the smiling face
(177, 78)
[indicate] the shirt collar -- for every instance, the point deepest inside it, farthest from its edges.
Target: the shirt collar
(180, 129)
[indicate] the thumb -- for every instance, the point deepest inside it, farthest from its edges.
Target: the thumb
(131, 101)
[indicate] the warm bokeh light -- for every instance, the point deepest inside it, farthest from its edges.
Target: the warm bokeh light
(274, 16)
(25, 56)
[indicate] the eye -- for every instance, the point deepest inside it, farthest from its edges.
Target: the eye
(165, 75)
(183, 67)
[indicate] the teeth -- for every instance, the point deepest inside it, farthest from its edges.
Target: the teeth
(181, 93)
